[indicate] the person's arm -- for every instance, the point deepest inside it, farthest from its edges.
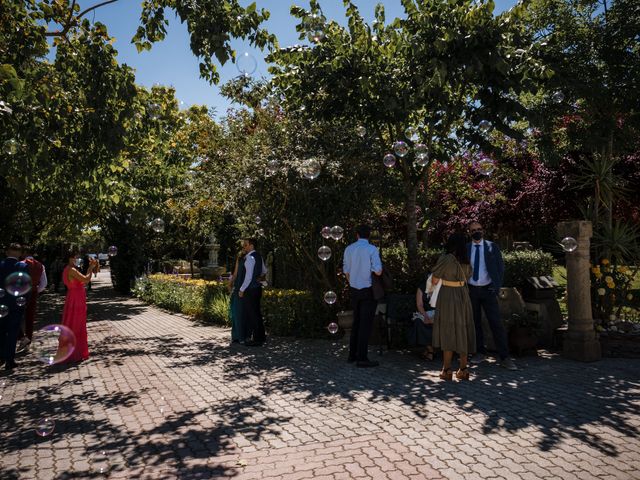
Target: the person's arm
(346, 262)
(74, 274)
(249, 265)
(233, 275)
(43, 280)
(420, 303)
(376, 263)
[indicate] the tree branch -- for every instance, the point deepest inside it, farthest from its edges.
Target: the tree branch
(107, 2)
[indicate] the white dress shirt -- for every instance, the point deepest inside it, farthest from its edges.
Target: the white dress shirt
(483, 279)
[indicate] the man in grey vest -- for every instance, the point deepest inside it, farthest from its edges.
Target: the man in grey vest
(250, 293)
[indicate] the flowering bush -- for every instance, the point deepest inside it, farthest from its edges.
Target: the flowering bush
(610, 291)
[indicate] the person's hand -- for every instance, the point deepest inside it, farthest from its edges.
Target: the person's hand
(241, 294)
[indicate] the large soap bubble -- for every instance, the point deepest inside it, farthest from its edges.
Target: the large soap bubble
(569, 244)
(333, 328)
(44, 427)
(330, 297)
(389, 160)
(246, 63)
(310, 169)
(486, 166)
(324, 253)
(53, 344)
(337, 232)
(112, 251)
(18, 284)
(485, 126)
(411, 134)
(326, 232)
(157, 225)
(400, 148)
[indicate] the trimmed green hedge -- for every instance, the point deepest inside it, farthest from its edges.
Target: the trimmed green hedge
(520, 264)
(395, 259)
(286, 312)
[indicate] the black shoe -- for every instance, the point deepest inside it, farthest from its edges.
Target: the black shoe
(252, 343)
(367, 363)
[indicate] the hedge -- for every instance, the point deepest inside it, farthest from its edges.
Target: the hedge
(520, 264)
(286, 312)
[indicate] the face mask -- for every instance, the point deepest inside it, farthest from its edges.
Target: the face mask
(476, 235)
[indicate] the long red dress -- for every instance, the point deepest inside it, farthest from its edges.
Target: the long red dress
(74, 316)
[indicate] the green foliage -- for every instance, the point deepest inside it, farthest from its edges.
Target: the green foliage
(286, 312)
(520, 264)
(406, 279)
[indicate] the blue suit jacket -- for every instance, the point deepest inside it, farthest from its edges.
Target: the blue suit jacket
(493, 261)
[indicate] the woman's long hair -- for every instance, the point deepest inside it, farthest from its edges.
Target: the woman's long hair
(457, 246)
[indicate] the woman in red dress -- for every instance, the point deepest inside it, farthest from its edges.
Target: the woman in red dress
(74, 314)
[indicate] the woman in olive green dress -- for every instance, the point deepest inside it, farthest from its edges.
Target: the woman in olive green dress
(453, 327)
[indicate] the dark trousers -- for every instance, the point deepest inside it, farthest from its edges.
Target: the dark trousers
(253, 323)
(485, 298)
(9, 328)
(364, 309)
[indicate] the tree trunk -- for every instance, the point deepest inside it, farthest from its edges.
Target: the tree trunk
(411, 192)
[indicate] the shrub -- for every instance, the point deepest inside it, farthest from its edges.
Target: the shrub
(286, 312)
(520, 264)
(395, 259)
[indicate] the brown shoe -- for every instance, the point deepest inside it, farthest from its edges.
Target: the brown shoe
(446, 374)
(462, 374)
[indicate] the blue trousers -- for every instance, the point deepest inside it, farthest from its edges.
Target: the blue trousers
(486, 298)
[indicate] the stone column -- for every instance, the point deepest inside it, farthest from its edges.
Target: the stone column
(580, 342)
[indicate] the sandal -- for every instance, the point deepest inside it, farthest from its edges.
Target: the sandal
(462, 373)
(446, 374)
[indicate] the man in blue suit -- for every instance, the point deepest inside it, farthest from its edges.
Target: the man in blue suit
(484, 287)
(13, 313)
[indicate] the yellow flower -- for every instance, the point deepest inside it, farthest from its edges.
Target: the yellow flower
(601, 292)
(611, 285)
(604, 261)
(608, 279)
(595, 270)
(622, 269)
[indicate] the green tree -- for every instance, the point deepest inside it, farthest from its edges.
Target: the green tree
(450, 70)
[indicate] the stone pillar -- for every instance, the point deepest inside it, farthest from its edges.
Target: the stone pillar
(581, 341)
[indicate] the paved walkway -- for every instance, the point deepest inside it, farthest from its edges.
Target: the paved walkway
(163, 397)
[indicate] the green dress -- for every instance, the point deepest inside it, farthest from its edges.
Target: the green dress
(235, 313)
(453, 328)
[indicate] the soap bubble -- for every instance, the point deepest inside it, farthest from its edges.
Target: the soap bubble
(485, 126)
(1, 292)
(337, 232)
(325, 232)
(330, 297)
(157, 225)
(389, 160)
(18, 284)
(324, 253)
(4, 311)
(401, 148)
(272, 167)
(21, 301)
(361, 131)
(310, 169)
(486, 166)
(257, 220)
(53, 344)
(246, 63)
(411, 134)
(569, 244)
(112, 251)
(333, 328)
(260, 232)
(10, 147)
(316, 36)
(100, 462)
(422, 155)
(45, 426)
(557, 97)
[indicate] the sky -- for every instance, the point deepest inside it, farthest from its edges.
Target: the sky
(171, 62)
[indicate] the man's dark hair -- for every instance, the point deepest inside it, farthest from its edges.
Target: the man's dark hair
(253, 241)
(15, 247)
(70, 254)
(457, 246)
(363, 231)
